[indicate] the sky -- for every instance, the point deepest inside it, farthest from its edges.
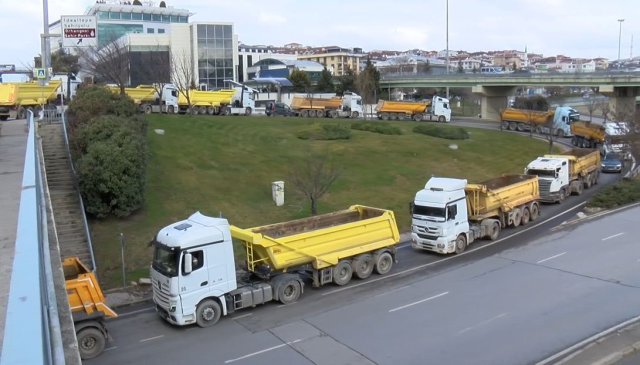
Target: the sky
(576, 28)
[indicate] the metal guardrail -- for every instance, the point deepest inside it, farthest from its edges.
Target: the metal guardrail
(563, 75)
(32, 333)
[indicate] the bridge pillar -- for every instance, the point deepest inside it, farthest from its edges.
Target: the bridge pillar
(494, 98)
(622, 99)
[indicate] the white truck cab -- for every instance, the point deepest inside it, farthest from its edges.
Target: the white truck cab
(440, 109)
(553, 177)
(352, 102)
(439, 215)
(243, 101)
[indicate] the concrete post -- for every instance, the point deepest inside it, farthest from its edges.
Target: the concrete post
(621, 99)
(494, 99)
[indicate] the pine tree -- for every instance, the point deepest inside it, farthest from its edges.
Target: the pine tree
(325, 83)
(300, 80)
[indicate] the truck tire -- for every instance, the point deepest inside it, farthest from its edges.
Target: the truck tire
(170, 109)
(535, 211)
(362, 266)
(247, 111)
(417, 117)
(579, 188)
(517, 217)
(538, 129)
(384, 263)
(22, 113)
(355, 115)
(342, 273)
(208, 313)
(91, 342)
(202, 110)
(495, 231)
(560, 133)
(587, 181)
(526, 216)
(211, 110)
(562, 194)
(401, 116)
(147, 109)
(226, 111)
(513, 126)
(385, 116)
(320, 113)
(461, 244)
(393, 116)
(521, 127)
(334, 114)
(504, 125)
(289, 292)
(304, 113)
(442, 119)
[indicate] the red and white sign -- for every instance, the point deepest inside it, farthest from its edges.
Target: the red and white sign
(79, 31)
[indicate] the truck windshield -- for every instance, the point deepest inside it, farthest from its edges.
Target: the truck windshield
(542, 173)
(429, 211)
(574, 117)
(165, 261)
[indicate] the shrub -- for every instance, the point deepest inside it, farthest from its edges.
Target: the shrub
(535, 102)
(94, 101)
(442, 132)
(377, 127)
(623, 192)
(111, 167)
(325, 132)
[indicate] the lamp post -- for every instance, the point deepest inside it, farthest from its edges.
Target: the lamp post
(45, 58)
(619, 40)
(448, 45)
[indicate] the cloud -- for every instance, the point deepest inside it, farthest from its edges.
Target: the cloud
(271, 18)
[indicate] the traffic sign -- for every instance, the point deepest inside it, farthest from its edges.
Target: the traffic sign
(79, 31)
(40, 73)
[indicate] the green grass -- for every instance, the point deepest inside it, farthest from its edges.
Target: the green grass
(625, 191)
(446, 132)
(377, 127)
(227, 164)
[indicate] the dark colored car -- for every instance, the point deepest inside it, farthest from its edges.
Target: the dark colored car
(279, 109)
(612, 162)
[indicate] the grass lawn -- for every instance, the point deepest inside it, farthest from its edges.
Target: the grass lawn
(227, 164)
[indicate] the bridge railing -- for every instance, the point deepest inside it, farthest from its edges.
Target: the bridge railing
(533, 75)
(32, 333)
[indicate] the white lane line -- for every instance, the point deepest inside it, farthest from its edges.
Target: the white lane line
(550, 258)
(263, 351)
(418, 302)
(590, 339)
(286, 305)
(482, 323)
(151, 338)
(451, 257)
(395, 290)
(242, 316)
(614, 236)
(110, 348)
(134, 312)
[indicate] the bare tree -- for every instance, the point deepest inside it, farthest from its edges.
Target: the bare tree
(531, 120)
(110, 63)
(183, 75)
(550, 132)
(366, 85)
(312, 176)
(605, 107)
(592, 106)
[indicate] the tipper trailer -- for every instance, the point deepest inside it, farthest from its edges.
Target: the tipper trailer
(449, 214)
(194, 274)
(522, 120)
(17, 98)
(438, 108)
(347, 106)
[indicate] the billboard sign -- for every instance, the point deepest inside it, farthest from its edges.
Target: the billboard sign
(79, 31)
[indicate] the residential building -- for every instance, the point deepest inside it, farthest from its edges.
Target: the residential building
(601, 63)
(411, 64)
(337, 58)
(249, 55)
(281, 68)
(507, 60)
(577, 66)
(443, 53)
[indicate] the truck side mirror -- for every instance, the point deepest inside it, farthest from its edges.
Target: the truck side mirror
(188, 263)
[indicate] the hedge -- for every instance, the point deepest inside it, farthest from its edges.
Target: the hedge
(325, 132)
(377, 127)
(455, 133)
(623, 192)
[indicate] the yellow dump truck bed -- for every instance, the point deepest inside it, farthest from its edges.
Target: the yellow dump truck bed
(83, 291)
(299, 102)
(207, 98)
(31, 93)
(411, 107)
(8, 94)
(136, 93)
(588, 130)
(581, 161)
(525, 116)
(501, 193)
(320, 240)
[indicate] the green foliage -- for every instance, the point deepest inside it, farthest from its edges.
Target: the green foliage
(460, 68)
(455, 133)
(325, 132)
(623, 192)
(137, 2)
(377, 127)
(300, 80)
(94, 101)
(535, 102)
(347, 82)
(368, 82)
(325, 83)
(163, 4)
(61, 62)
(112, 168)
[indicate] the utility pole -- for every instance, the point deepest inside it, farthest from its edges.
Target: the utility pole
(447, 45)
(631, 49)
(619, 40)
(45, 59)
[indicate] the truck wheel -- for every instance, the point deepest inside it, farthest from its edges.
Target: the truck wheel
(461, 244)
(521, 127)
(147, 109)
(362, 266)
(505, 124)
(538, 129)
(579, 188)
(513, 126)
(22, 113)
(289, 292)
(495, 231)
(535, 211)
(227, 111)
(304, 113)
(417, 117)
(587, 183)
(170, 109)
(355, 115)
(334, 114)
(385, 116)
(384, 263)
(342, 273)
(211, 110)
(560, 133)
(401, 116)
(393, 116)
(91, 342)
(517, 217)
(561, 195)
(320, 113)
(526, 216)
(442, 119)
(202, 110)
(3, 118)
(208, 313)
(247, 111)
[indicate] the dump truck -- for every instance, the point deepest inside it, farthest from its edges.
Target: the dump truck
(88, 308)
(564, 174)
(438, 108)
(17, 98)
(149, 100)
(194, 275)
(607, 137)
(522, 120)
(242, 101)
(449, 214)
(347, 106)
(204, 102)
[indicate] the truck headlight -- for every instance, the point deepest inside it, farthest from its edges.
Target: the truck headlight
(440, 245)
(172, 306)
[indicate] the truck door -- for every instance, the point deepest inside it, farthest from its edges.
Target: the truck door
(217, 266)
(456, 222)
(194, 285)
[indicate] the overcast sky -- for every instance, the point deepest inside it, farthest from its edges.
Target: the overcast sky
(578, 28)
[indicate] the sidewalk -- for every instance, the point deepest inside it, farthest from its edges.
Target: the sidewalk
(620, 347)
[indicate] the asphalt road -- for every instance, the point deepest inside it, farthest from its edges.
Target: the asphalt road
(353, 325)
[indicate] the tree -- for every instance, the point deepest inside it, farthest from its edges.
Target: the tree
(163, 4)
(325, 84)
(460, 68)
(514, 67)
(183, 75)
(347, 82)
(137, 2)
(300, 80)
(61, 62)
(424, 67)
(605, 107)
(592, 106)
(152, 67)
(312, 177)
(536, 102)
(368, 83)
(110, 63)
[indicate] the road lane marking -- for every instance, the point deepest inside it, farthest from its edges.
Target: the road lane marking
(614, 236)
(550, 258)
(396, 289)
(263, 351)
(134, 312)
(242, 316)
(418, 302)
(482, 323)
(451, 257)
(151, 338)
(286, 305)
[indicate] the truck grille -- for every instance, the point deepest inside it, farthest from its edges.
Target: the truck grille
(160, 295)
(427, 237)
(545, 187)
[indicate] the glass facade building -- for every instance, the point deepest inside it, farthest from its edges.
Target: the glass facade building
(215, 49)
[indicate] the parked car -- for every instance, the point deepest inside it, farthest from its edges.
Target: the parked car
(612, 162)
(279, 109)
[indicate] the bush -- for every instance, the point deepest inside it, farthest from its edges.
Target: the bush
(377, 127)
(112, 165)
(94, 101)
(442, 132)
(536, 102)
(325, 132)
(623, 192)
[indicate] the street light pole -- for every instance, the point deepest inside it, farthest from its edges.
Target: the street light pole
(447, 45)
(619, 40)
(45, 58)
